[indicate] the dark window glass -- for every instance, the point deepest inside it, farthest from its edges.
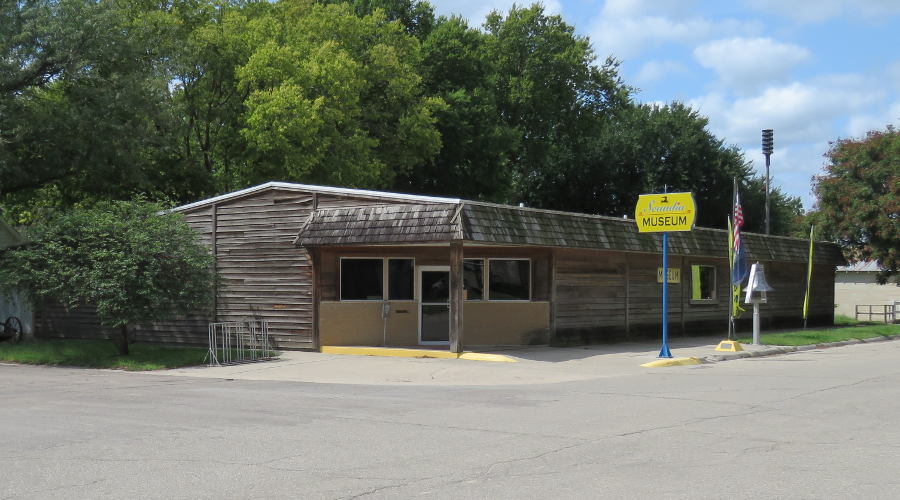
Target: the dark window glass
(400, 279)
(435, 286)
(509, 280)
(473, 278)
(362, 279)
(703, 282)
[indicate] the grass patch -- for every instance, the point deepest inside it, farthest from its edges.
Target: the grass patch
(821, 336)
(844, 320)
(100, 354)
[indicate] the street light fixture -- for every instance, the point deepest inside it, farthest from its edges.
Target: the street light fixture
(767, 146)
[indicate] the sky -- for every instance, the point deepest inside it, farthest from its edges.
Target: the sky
(814, 71)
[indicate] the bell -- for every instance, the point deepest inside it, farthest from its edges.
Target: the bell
(759, 283)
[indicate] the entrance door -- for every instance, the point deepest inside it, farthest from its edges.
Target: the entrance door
(434, 305)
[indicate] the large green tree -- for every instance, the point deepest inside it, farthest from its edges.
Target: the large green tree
(83, 103)
(649, 148)
(552, 91)
(334, 98)
(133, 263)
(858, 198)
(477, 144)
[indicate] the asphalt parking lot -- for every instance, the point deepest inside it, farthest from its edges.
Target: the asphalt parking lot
(816, 424)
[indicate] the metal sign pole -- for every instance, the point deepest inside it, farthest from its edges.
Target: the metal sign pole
(664, 351)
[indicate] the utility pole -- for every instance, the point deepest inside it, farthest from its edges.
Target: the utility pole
(767, 146)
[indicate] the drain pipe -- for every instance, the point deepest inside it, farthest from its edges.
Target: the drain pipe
(385, 312)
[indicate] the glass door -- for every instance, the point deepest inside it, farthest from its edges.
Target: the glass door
(434, 305)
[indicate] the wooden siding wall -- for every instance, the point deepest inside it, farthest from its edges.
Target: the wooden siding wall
(604, 296)
(263, 275)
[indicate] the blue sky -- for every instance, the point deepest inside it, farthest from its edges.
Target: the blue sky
(812, 70)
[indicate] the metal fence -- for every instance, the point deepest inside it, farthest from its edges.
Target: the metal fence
(889, 313)
(239, 342)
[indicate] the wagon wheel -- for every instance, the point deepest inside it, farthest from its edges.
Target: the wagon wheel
(12, 329)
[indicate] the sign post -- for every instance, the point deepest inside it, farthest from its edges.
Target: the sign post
(661, 213)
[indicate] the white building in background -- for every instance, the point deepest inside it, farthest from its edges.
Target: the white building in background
(12, 302)
(856, 285)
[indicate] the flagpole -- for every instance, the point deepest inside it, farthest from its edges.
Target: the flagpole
(812, 230)
(730, 285)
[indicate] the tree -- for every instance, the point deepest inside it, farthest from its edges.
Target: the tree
(551, 91)
(131, 261)
(476, 143)
(83, 102)
(858, 198)
(648, 148)
(334, 98)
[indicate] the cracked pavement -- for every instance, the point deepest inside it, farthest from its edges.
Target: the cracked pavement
(758, 427)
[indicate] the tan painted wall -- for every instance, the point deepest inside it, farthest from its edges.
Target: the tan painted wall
(360, 323)
(506, 323)
(847, 295)
(484, 323)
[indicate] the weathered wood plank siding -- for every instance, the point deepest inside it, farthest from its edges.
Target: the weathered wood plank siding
(263, 275)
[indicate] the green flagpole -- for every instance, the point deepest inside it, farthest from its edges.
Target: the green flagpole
(812, 231)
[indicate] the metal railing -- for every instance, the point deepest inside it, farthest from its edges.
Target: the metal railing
(889, 313)
(239, 342)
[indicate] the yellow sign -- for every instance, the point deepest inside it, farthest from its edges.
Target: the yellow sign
(674, 275)
(656, 213)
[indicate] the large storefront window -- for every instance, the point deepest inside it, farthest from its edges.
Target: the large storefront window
(401, 279)
(509, 279)
(364, 278)
(473, 278)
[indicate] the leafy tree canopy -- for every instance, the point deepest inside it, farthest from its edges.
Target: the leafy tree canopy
(858, 198)
(134, 264)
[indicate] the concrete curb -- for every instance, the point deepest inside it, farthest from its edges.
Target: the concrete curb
(396, 352)
(672, 362)
(775, 350)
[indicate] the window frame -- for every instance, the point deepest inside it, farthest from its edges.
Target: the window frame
(385, 278)
(714, 299)
(487, 279)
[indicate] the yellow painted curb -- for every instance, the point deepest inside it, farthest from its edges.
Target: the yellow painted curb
(399, 352)
(480, 356)
(729, 346)
(672, 362)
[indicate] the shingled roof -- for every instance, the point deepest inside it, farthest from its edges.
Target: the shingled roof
(487, 223)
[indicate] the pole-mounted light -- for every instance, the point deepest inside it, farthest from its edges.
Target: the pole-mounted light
(768, 144)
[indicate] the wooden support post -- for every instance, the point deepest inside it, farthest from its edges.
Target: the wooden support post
(681, 291)
(215, 251)
(456, 296)
(627, 298)
(315, 256)
(552, 294)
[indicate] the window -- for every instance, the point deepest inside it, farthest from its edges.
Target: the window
(509, 279)
(473, 278)
(703, 282)
(362, 279)
(401, 279)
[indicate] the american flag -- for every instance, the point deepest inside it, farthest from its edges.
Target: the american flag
(740, 268)
(738, 221)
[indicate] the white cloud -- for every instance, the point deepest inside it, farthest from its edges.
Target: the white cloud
(821, 10)
(799, 112)
(858, 125)
(626, 38)
(792, 168)
(632, 8)
(656, 70)
(746, 64)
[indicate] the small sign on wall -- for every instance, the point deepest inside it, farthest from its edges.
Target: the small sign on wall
(674, 275)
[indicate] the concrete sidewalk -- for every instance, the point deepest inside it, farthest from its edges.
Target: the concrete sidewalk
(536, 365)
